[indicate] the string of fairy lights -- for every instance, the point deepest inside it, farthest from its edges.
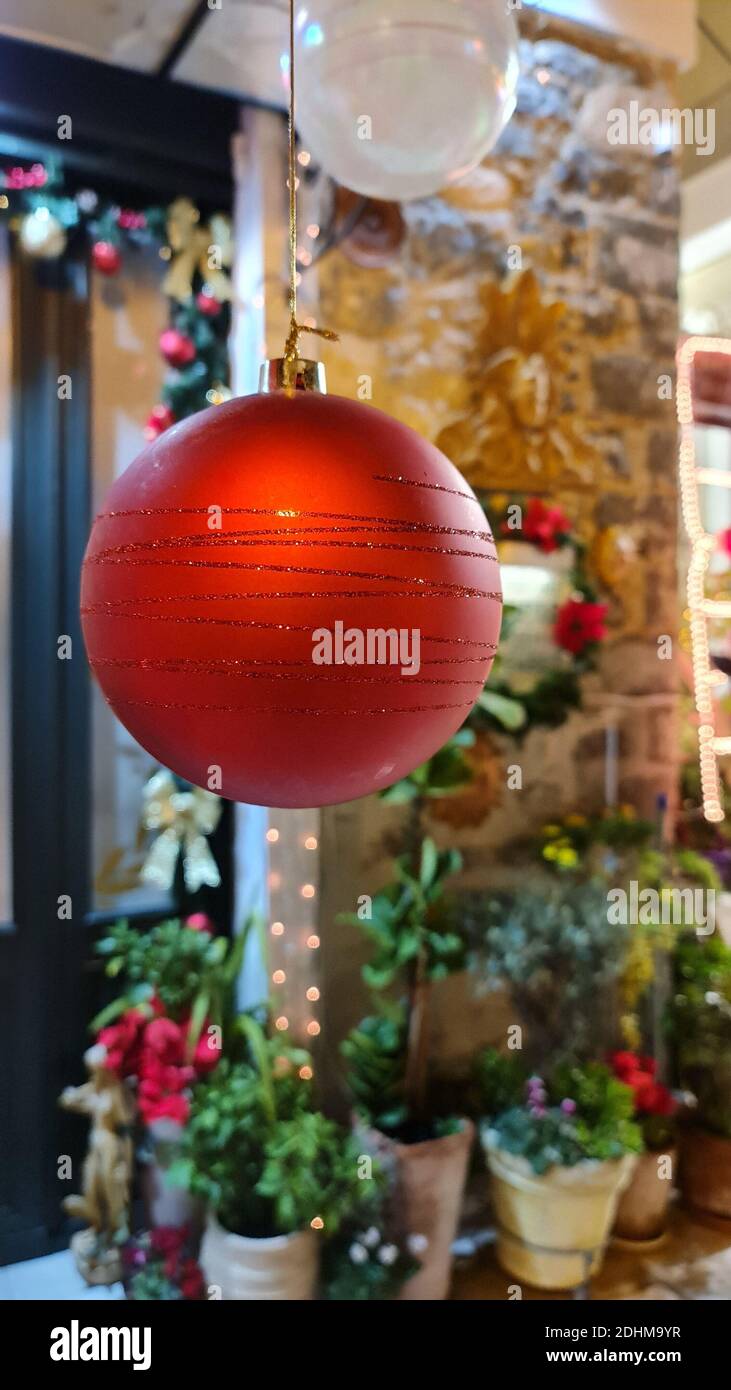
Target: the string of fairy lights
(292, 843)
(701, 608)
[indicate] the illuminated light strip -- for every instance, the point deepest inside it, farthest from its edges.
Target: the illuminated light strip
(716, 607)
(702, 546)
(713, 477)
(291, 841)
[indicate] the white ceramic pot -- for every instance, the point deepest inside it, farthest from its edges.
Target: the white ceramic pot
(553, 1229)
(273, 1268)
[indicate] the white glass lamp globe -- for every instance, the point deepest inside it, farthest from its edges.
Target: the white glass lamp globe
(396, 99)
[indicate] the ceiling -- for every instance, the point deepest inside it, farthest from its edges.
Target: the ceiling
(229, 45)
(234, 46)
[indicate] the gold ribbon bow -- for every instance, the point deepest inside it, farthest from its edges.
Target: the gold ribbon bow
(184, 819)
(190, 242)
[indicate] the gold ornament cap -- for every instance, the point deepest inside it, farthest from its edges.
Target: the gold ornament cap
(299, 374)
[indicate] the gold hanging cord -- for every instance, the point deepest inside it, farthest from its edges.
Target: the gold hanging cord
(291, 347)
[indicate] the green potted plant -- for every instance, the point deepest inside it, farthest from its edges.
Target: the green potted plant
(643, 1207)
(700, 1026)
(273, 1171)
(167, 1026)
(559, 1157)
(416, 945)
(556, 953)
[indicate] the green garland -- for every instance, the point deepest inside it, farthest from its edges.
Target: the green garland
(48, 216)
(501, 708)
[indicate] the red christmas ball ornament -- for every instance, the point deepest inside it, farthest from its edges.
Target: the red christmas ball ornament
(177, 348)
(160, 418)
(208, 304)
(291, 599)
(105, 257)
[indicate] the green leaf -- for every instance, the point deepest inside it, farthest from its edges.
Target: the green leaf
(509, 713)
(217, 951)
(254, 1033)
(379, 978)
(400, 793)
(198, 1015)
(133, 999)
(428, 864)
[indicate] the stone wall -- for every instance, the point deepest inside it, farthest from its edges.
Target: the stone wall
(599, 226)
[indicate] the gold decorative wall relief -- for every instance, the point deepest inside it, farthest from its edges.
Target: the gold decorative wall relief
(519, 430)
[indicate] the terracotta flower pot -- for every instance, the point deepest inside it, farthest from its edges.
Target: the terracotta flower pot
(643, 1206)
(552, 1229)
(429, 1179)
(705, 1175)
(269, 1269)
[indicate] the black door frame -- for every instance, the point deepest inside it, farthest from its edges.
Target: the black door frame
(49, 984)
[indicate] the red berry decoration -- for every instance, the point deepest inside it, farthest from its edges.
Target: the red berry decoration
(177, 348)
(257, 587)
(160, 419)
(105, 257)
(131, 221)
(208, 304)
(19, 178)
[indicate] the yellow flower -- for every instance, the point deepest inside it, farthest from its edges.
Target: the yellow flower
(551, 831)
(567, 858)
(628, 812)
(630, 1030)
(575, 819)
(550, 852)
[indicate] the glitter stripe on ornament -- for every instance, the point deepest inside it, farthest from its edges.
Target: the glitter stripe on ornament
(266, 567)
(407, 524)
(102, 610)
(192, 662)
(214, 667)
(432, 487)
(458, 591)
(334, 712)
(216, 540)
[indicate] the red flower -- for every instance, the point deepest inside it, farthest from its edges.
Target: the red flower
(168, 1240)
(190, 1280)
(166, 1040)
(175, 1108)
(651, 1098)
(724, 540)
(625, 1064)
(544, 526)
(123, 1042)
(206, 1054)
(579, 624)
(156, 1077)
